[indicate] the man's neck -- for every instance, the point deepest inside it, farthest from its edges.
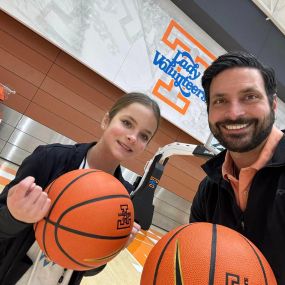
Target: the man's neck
(245, 159)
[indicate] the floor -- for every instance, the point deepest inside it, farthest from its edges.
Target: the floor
(126, 268)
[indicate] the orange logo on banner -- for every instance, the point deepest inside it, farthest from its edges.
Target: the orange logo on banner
(174, 42)
(2, 97)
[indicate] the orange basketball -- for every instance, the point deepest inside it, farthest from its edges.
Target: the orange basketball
(89, 222)
(204, 253)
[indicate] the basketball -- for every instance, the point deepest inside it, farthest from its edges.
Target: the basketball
(89, 222)
(204, 253)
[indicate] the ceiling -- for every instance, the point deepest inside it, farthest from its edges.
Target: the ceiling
(274, 10)
(256, 26)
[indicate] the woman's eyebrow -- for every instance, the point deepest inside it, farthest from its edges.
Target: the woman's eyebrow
(135, 122)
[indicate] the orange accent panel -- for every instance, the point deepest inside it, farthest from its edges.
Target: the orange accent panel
(2, 97)
(4, 181)
(8, 169)
(142, 245)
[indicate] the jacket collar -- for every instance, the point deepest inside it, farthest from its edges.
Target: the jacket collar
(213, 167)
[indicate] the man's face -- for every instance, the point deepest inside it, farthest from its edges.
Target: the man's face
(240, 116)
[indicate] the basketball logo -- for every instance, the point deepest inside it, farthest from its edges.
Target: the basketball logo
(89, 222)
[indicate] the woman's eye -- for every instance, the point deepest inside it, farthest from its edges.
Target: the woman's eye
(127, 123)
(144, 137)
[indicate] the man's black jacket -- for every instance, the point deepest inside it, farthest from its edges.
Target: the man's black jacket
(263, 221)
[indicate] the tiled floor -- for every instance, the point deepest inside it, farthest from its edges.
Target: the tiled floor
(126, 268)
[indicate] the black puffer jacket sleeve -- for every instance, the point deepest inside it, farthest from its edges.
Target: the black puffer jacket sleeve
(31, 166)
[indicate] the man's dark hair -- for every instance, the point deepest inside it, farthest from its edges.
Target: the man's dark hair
(239, 59)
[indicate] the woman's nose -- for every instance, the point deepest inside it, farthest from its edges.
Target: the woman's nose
(132, 138)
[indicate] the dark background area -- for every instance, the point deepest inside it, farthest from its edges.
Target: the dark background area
(240, 25)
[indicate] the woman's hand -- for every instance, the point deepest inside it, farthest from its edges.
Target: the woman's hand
(27, 202)
(136, 228)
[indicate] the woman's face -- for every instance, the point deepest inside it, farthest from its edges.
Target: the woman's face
(129, 131)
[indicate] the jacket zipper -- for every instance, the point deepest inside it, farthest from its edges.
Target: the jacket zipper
(242, 222)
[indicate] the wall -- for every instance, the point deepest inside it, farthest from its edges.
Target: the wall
(241, 25)
(64, 95)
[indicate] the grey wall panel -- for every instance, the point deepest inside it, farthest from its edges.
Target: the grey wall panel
(165, 196)
(13, 153)
(166, 209)
(2, 144)
(10, 116)
(164, 222)
(20, 135)
(24, 141)
(41, 132)
(5, 131)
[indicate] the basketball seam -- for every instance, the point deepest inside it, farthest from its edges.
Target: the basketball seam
(213, 255)
(57, 198)
(258, 258)
(163, 251)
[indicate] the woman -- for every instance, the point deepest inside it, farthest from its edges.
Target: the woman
(127, 129)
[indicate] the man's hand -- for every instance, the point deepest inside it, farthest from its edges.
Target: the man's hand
(27, 202)
(136, 228)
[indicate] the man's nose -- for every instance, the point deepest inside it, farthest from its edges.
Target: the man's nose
(234, 110)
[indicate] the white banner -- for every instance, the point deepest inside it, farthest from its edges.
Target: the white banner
(139, 45)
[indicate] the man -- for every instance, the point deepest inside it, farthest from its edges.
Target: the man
(245, 185)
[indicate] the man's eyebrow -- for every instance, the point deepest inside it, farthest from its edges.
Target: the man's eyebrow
(249, 89)
(218, 95)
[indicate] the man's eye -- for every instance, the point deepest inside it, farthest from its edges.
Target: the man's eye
(218, 101)
(251, 97)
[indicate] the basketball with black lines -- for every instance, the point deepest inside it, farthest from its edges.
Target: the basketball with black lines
(206, 254)
(89, 222)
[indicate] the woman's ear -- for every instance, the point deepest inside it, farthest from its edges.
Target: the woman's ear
(105, 121)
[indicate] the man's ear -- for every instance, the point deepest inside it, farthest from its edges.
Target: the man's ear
(105, 121)
(274, 103)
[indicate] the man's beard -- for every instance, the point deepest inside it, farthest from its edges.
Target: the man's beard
(234, 142)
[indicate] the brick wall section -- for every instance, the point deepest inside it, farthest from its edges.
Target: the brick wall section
(59, 92)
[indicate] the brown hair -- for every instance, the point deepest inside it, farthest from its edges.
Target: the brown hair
(135, 97)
